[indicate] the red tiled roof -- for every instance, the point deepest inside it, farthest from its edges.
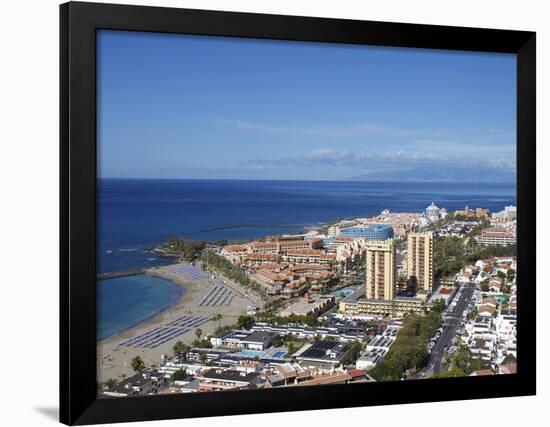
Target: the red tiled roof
(487, 309)
(235, 248)
(263, 244)
(296, 242)
(326, 379)
(356, 373)
(489, 300)
(299, 267)
(509, 368)
(298, 252)
(269, 257)
(483, 372)
(271, 275)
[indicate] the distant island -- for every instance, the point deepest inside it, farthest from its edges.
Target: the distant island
(449, 174)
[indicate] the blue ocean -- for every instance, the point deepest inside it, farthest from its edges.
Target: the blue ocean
(135, 215)
(127, 301)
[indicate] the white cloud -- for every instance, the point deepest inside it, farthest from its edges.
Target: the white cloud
(357, 159)
(328, 131)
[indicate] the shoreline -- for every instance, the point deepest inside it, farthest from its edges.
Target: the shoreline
(153, 317)
(113, 360)
(140, 322)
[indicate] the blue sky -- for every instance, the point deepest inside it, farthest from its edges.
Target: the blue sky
(173, 106)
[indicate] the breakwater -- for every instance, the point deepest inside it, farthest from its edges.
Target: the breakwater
(229, 227)
(114, 274)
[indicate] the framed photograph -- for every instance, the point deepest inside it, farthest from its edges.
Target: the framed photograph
(266, 213)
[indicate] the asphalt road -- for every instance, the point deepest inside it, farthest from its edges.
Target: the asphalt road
(451, 324)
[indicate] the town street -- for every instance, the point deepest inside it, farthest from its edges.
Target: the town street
(450, 326)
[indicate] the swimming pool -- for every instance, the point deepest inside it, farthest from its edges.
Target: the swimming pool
(279, 354)
(344, 292)
(252, 353)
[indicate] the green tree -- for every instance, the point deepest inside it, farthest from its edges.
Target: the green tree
(451, 373)
(438, 306)
(231, 271)
(137, 364)
(409, 351)
(189, 250)
(245, 322)
(202, 343)
(510, 358)
(179, 375)
(218, 318)
(110, 382)
(203, 358)
(277, 341)
(198, 333)
(353, 353)
(181, 350)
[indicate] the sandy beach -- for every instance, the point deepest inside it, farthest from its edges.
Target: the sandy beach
(114, 360)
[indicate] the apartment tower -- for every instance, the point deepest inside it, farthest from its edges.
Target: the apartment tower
(381, 270)
(420, 259)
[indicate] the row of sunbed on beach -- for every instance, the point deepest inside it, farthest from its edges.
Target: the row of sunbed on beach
(190, 272)
(161, 334)
(218, 296)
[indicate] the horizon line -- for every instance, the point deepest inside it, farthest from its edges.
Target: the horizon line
(304, 180)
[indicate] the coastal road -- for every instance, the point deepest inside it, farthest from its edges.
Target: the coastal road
(451, 324)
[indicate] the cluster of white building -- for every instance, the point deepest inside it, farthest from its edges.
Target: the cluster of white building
(492, 334)
(377, 347)
(487, 270)
(508, 214)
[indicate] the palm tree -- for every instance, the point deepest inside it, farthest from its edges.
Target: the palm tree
(218, 317)
(202, 357)
(137, 364)
(198, 333)
(181, 350)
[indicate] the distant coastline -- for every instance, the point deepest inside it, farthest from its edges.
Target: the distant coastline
(509, 179)
(161, 208)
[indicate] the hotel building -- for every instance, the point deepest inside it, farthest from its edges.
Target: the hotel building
(381, 270)
(282, 247)
(396, 308)
(371, 232)
(380, 298)
(503, 236)
(420, 250)
(477, 213)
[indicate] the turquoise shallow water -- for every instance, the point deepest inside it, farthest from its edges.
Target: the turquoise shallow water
(126, 301)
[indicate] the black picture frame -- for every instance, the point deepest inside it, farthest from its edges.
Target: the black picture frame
(78, 25)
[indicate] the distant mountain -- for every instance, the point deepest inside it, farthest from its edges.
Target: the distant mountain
(447, 174)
